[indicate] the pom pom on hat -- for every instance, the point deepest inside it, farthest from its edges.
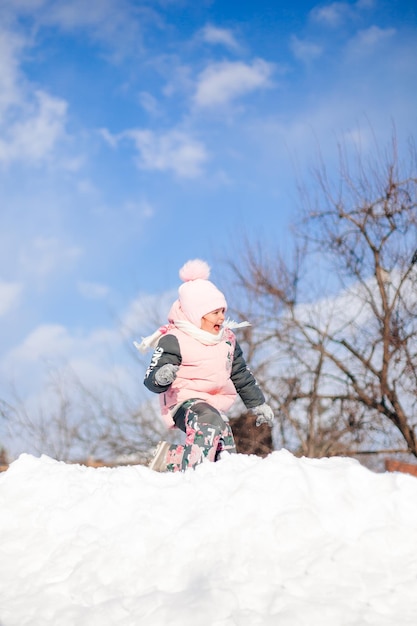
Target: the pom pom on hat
(197, 295)
(194, 269)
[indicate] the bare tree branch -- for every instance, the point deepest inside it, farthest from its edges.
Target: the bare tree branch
(361, 387)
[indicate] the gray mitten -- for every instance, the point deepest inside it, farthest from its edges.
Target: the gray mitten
(264, 413)
(166, 374)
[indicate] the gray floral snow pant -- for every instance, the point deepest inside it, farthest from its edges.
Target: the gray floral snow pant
(207, 435)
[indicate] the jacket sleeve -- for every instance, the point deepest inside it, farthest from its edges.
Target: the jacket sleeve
(244, 381)
(167, 351)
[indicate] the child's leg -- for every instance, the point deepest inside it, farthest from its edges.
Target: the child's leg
(227, 442)
(207, 434)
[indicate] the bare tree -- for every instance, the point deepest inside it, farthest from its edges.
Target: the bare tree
(338, 322)
(70, 418)
(76, 422)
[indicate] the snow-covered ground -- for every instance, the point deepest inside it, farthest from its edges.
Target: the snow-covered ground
(279, 541)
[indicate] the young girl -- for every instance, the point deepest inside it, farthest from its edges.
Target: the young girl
(198, 369)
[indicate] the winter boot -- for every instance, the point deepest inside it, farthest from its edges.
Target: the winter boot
(159, 461)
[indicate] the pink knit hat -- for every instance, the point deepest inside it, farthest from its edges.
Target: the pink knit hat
(197, 296)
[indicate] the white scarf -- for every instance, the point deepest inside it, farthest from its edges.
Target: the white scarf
(208, 339)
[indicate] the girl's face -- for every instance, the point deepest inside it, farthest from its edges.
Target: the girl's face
(212, 322)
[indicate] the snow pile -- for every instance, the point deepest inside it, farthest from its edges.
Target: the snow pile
(247, 541)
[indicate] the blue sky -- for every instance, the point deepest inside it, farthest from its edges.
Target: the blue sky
(137, 135)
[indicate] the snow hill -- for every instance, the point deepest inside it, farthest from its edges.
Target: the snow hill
(279, 541)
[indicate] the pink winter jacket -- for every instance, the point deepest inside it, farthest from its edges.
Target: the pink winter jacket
(213, 373)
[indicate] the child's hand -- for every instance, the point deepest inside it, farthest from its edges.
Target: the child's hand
(166, 374)
(264, 413)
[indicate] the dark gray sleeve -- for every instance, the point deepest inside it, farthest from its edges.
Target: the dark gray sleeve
(167, 351)
(244, 381)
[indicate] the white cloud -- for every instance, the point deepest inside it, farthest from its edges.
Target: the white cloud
(86, 187)
(54, 345)
(92, 291)
(79, 13)
(18, 6)
(219, 36)
(45, 342)
(371, 37)
(103, 348)
(31, 121)
(337, 13)
(365, 4)
(10, 48)
(51, 357)
(9, 296)
(47, 255)
(333, 14)
(173, 151)
(68, 15)
(108, 137)
(116, 25)
(98, 359)
(34, 135)
(147, 312)
(223, 82)
(305, 51)
(142, 209)
(149, 103)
